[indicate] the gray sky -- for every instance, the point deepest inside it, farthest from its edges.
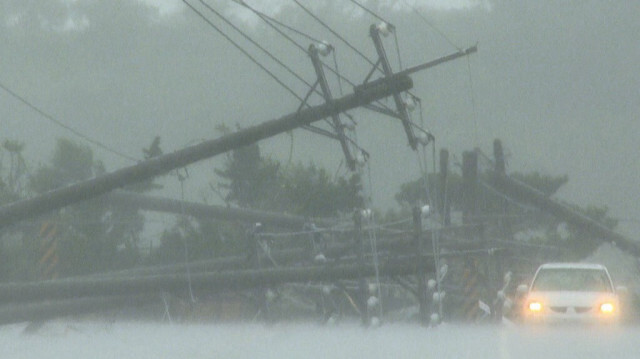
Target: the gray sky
(558, 81)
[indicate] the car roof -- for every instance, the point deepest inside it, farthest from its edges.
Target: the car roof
(573, 266)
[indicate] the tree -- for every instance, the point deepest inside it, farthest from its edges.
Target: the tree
(93, 236)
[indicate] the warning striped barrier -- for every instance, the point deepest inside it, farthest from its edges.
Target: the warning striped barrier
(471, 291)
(48, 263)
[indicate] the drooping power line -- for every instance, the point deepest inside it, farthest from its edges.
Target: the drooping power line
(241, 49)
(64, 126)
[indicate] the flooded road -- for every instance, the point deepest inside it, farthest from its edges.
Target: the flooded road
(70, 339)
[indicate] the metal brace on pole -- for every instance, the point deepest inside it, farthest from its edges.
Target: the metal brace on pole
(386, 68)
(326, 91)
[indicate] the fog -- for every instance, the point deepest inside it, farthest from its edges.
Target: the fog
(83, 339)
(557, 81)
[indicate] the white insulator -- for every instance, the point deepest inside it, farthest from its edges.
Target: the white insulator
(350, 126)
(431, 284)
(501, 295)
(437, 297)
(409, 103)
(372, 301)
(422, 138)
(324, 48)
(361, 159)
(366, 213)
(326, 289)
(384, 29)
(435, 318)
(270, 295)
(375, 322)
(320, 258)
(373, 288)
(332, 320)
(426, 210)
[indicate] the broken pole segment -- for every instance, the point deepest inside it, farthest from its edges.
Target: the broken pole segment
(207, 211)
(216, 281)
(163, 164)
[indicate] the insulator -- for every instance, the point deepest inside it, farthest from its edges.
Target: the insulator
(372, 301)
(431, 284)
(324, 48)
(409, 103)
(384, 29)
(366, 213)
(320, 258)
(426, 210)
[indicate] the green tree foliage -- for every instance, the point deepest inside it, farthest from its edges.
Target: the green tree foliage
(256, 182)
(250, 180)
(13, 175)
(92, 236)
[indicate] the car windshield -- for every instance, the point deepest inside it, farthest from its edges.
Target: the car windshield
(572, 279)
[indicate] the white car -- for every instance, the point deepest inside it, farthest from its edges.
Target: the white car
(571, 292)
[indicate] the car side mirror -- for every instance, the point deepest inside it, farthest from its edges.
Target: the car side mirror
(522, 289)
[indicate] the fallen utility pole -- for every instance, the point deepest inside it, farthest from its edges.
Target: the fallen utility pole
(218, 281)
(517, 190)
(520, 191)
(53, 309)
(205, 211)
(163, 164)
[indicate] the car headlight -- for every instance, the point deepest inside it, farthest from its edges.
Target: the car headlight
(606, 308)
(535, 306)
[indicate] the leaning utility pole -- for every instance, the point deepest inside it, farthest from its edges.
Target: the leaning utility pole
(163, 164)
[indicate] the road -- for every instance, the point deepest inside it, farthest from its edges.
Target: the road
(87, 339)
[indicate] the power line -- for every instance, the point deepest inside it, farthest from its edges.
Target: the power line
(303, 101)
(310, 13)
(278, 61)
(272, 19)
(66, 127)
(431, 25)
(271, 74)
(370, 12)
(392, 27)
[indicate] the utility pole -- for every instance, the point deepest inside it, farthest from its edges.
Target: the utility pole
(163, 164)
(422, 289)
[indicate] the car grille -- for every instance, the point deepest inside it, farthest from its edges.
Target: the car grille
(578, 310)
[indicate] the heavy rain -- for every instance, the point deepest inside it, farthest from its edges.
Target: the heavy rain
(336, 178)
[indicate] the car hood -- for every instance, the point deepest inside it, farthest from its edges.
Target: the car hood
(573, 299)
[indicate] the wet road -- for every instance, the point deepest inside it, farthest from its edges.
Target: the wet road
(72, 339)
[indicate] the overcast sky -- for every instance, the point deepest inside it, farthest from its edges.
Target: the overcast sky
(558, 81)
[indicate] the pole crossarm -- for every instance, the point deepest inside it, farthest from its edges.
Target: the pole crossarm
(163, 164)
(388, 72)
(326, 92)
